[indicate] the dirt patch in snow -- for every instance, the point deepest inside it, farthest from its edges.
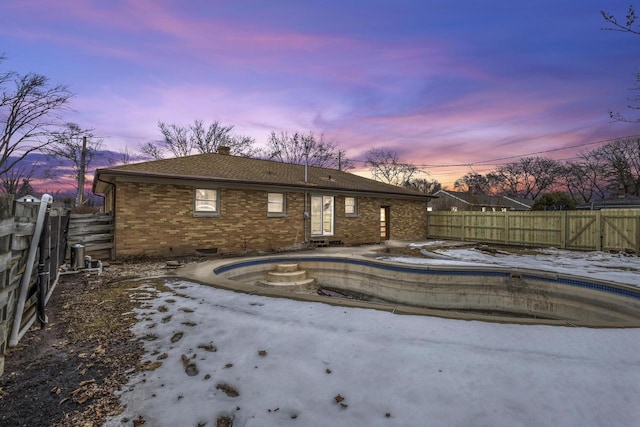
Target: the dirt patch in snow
(68, 373)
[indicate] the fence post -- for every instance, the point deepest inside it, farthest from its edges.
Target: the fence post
(599, 229)
(464, 225)
(506, 228)
(564, 229)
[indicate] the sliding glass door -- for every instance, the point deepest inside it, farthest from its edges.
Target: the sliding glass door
(322, 215)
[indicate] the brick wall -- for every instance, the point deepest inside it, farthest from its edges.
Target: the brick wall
(408, 219)
(157, 219)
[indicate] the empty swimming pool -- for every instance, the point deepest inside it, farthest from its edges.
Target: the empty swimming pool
(469, 292)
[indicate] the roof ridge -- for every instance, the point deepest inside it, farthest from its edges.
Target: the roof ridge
(255, 171)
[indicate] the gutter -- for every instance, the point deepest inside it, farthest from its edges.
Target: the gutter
(301, 186)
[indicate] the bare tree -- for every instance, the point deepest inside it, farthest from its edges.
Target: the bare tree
(77, 146)
(28, 113)
(586, 179)
(424, 185)
(387, 167)
(528, 178)
(176, 139)
(626, 27)
(182, 140)
(299, 148)
(125, 156)
(623, 165)
(208, 140)
(507, 179)
(634, 104)
(17, 180)
(477, 182)
(152, 150)
(630, 25)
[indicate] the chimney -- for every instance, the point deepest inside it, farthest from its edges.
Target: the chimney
(224, 150)
(470, 191)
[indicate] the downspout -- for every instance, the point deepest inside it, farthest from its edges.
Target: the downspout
(26, 276)
(306, 216)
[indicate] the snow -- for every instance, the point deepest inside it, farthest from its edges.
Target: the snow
(290, 360)
(617, 267)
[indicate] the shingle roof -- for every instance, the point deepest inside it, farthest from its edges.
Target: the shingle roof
(245, 170)
(621, 201)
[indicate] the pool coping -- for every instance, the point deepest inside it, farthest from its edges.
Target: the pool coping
(204, 273)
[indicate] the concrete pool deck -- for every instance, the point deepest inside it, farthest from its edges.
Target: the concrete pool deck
(356, 257)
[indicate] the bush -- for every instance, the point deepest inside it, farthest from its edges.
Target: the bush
(556, 201)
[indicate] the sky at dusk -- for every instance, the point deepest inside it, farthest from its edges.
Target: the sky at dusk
(449, 85)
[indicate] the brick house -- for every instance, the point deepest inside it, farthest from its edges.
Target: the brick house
(236, 204)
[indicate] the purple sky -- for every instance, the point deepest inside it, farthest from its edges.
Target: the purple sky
(440, 82)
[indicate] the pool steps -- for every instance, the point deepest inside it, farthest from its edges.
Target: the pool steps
(288, 275)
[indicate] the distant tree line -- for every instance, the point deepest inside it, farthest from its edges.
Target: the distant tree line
(609, 169)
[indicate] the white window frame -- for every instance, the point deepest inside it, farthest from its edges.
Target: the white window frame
(322, 215)
(351, 209)
(275, 207)
(206, 202)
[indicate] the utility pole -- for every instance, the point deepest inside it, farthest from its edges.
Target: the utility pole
(305, 214)
(83, 161)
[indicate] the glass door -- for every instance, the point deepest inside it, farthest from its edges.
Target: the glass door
(322, 210)
(384, 223)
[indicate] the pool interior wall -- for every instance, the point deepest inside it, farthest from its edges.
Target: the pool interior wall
(487, 293)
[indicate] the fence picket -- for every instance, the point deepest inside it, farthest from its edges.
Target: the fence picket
(617, 229)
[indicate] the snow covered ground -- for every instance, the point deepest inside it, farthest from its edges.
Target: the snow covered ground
(306, 364)
(617, 267)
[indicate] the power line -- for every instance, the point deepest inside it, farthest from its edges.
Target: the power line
(489, 162)
(551, 150)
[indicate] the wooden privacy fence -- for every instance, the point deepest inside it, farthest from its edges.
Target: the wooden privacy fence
(30, 257)
(94, 232)
(603, 230)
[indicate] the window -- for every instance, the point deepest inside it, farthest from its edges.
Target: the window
(207, 202)
(322, 215)
(350, 206)
(275, 204)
